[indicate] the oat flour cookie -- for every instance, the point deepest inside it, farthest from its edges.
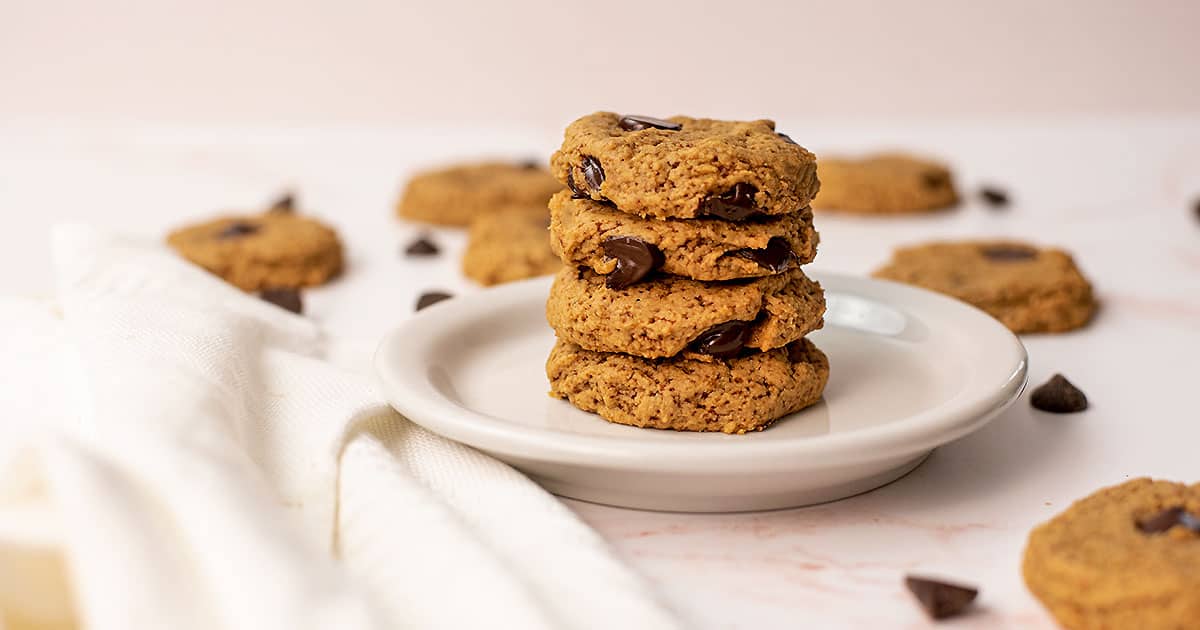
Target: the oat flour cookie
(690, 394)
(1027, 288)
(455, 195)
(509, 244)
(266, 251)
(886, 183)
(1123, 558)
(686, 167)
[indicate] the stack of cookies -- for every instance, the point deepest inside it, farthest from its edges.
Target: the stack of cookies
(682, 304)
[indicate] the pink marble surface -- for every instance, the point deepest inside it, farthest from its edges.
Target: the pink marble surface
(1117, 193)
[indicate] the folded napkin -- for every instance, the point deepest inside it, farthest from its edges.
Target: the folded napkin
(176, 454)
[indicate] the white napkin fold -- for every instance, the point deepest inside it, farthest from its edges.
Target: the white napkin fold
(175, 454)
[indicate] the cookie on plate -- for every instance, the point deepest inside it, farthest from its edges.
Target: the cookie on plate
(266, 251)
(591, 234)
(1027, 288)
(885, 183)
(458, 194)
(685, 167)
(1123, 558)
(671, 315)
(736, 395)
(508, 245)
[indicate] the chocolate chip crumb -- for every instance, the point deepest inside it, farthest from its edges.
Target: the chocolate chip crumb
(421, 247)
(284, 205)
(287, 299)
(723, 341)
(635, 259)
(941, 599)
(429, 298)
(994, 197)
(237, 229)
(638, 123)
(1058, 395)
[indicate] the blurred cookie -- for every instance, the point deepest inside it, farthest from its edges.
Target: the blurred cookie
(456, 195)
(1028, 289)
(509, 244)
(885, 183)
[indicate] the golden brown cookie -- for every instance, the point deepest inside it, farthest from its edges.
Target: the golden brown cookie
(885, 183)
(736, 395)
(668, 315)
(1124, 558)
(508, 245)
(456, 195)
(1027, 288)
(686, 167)
(265, 251)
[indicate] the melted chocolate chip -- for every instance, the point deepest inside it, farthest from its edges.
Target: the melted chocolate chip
(1004, 253)
(237, 229)
(638, 123)
(430, 298)
(1161, 522)
(735, 204)
(934, 179)
(775, 257)
(593, 173)
(287, 299)
(284, 205)
(1058, 395)
(635, 259)
(940, 599)
(723, 341)
(576, 192)
(421, 247)
(994, 197)
(786, 138)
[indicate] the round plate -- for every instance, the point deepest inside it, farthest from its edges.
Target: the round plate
(909, 370)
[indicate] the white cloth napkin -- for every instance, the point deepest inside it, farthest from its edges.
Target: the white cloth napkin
(175, 454)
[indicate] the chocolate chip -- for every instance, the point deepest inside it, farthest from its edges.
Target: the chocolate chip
(1161, 522)
(1058, 395)
(530, 164)
(287, 299)
(994, 197)
(786, 138)
(735, 204)
(430, 298)
(576, 192)
(723, 341)
(593, 173)
(237, 229)
(940, 599)
(421, 247)
(775, 257)
(284, 205)
(1196, 209)
(1006, 253)
(1190, 521)
(934, 179)
(635, 258)
(638, 123)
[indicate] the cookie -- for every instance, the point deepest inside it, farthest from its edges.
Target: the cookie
(1123, 558)
(685, 168)
(266, 251)
(456, 195)
(509, 244)
(885, 183)
(737, 395)
(583, 234)
(1027, 288)
(670, 315)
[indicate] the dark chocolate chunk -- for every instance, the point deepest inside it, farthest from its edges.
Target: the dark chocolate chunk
(638, 123)
(635, 259)
(237, 229)
(775, 257)
(735, 204)
(530, 164)
(287, 299)
(994, 197)
(1058, 395)
(593, 173)
(723, 341)
(1006, 253)
(576, 192)
(421, 247)
(940, 599)
(1161, 522)
(284, 205)
(934, 179)
(786, 138)
(429, 298)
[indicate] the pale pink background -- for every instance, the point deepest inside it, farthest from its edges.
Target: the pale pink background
(543, 62)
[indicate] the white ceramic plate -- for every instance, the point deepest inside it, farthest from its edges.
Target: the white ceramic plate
(910, 370)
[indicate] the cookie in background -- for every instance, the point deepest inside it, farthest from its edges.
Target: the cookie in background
(509, 244)
(456, 195)
(884, 184)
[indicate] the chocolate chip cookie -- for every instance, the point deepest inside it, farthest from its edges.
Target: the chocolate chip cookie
(736, 395)
(1123, 558)
(671, 315)
(885, 183)
(508, 245)
(686, 167)
(592, 234)
(265, 251)
(456, 195)
(1027, 288)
